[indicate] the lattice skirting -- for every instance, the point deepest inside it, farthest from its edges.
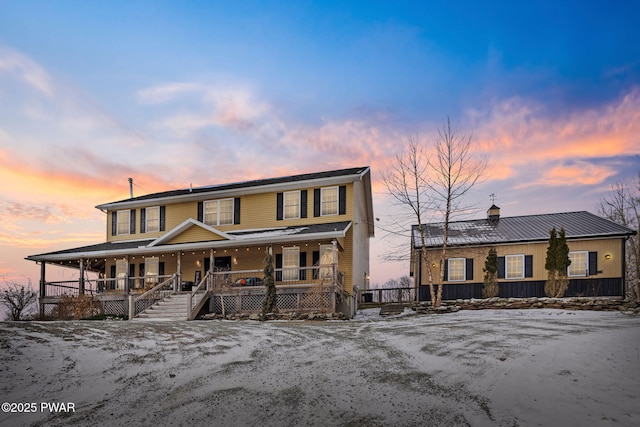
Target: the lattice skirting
(115, 307)
(109, 307)
(300, 302)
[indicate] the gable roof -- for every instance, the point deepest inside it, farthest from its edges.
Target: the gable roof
(240, 187)
(528, 228)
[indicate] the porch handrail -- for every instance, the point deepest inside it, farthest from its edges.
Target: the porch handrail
(156, 288)
(152, 295)
(195, 302)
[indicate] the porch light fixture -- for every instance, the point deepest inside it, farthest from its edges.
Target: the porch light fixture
(607, 256)
(235, 261)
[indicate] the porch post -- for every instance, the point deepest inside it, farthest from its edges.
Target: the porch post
(335, 262)
(81, 280)
(126, 276)
(43, 288)
(210, 284)
(179, 271)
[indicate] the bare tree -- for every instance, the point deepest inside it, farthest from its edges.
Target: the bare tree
(18, 299)
(622, 206)
(405, 181)
(454, 171)
(431, 180)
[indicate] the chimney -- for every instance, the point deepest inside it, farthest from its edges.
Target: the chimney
(493, 214)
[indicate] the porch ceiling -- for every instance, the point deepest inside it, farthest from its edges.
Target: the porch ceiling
(275, 236)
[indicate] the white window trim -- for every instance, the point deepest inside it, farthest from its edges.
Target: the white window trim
(322, 190)
(506, 266)
(151, 264)
(146, 219)
(586, 264)
(218, 202)
(122, 267)
(289, 269)
(464, 270)
(284, 204)
(118, 213)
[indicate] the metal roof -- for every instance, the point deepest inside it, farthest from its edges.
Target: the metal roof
(528, 228)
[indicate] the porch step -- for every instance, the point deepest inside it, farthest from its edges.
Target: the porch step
(174, 307)
(391, 309)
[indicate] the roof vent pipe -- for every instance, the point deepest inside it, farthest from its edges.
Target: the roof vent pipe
(131, 188)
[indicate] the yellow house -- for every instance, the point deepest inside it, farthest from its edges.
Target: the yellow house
(209, 245)
(597, 253)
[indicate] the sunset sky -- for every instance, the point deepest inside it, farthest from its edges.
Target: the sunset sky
(176, 93)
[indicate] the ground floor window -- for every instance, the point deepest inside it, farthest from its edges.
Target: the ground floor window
(290, 263)
(579, 263)
(456, 268)
(328, 257)
(152, 270)
(514, 266)
(121, 273)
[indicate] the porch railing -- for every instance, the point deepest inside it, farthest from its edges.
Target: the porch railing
(137, 304)
(386, 296)
(322, 274)
(198, 296)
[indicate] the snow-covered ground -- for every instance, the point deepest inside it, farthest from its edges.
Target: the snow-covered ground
(479, 368)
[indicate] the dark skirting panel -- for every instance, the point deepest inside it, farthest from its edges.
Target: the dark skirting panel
(528, 289)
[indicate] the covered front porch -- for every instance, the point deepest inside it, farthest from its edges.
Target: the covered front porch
(224, 277)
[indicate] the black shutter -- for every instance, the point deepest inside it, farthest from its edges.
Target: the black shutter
(315, 259)
(500, 267)
(201, 211)
(528, 266)
(303, 204)
(113, 272)
(141, 269)
(161, 268)
(143, 218)
(342, 200)
(446, 270)
(279, 206)
(593, 263)
(469, 269)
(162, 217)
(302, 275)
(236, 210)
(114, 223)
(132, 228)
(132, 274)
(278, 265)
(316, 202)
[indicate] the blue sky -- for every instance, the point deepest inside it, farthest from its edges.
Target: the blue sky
(94, 92)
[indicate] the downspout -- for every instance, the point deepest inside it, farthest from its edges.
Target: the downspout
(624, 267)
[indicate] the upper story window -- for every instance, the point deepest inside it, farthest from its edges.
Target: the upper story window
(579, 263)
(124, 222)
(218, 212)
(329, 201)
(456, 269)
(291, 202)
(514, 266)
(152, 219)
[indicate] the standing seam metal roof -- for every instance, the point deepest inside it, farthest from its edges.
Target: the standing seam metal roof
(514, 229)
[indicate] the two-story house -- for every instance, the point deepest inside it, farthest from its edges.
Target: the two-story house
(597, 254)
(213, 240)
